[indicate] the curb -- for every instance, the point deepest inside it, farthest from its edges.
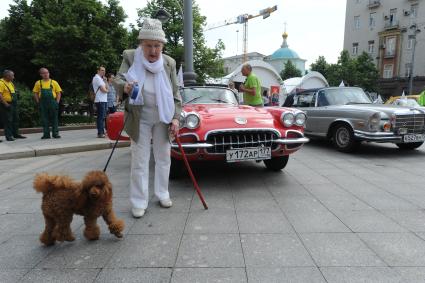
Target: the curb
(61, 128)
(60, 149)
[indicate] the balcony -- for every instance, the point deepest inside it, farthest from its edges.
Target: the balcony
(392, 24)
(374, 4)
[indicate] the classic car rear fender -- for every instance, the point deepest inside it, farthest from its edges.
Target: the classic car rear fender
(334, 124)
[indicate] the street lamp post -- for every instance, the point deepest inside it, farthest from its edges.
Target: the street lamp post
(189, 75)
(412, 63)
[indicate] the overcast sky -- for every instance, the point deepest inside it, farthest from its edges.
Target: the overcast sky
(315, 27)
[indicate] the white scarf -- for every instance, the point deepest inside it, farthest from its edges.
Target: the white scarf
(163, 91)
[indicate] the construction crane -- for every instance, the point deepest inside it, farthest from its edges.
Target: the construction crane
(243, 19)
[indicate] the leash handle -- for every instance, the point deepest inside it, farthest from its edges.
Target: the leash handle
(195, 183)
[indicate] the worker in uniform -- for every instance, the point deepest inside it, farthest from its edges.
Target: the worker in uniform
(9, 106)
(47, 94)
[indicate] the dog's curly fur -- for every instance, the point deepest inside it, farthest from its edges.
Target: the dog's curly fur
(63, 197)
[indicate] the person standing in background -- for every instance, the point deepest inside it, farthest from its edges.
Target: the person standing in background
(47, 94)
(100, 87)
(9, 106)
(112, 95)
(251, 88)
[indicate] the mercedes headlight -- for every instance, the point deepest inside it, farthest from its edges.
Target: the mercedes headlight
(374, 122)
(192, 121)
(300, 119)
(288, 119)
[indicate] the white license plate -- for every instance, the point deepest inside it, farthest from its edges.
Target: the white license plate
(413, 138)
(249, 153)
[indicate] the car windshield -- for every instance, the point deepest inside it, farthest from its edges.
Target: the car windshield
(208, 95)
(342, 96)
(406, 102)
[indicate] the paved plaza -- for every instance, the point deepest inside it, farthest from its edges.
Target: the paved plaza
(328, 217)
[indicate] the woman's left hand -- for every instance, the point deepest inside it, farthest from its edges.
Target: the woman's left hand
(174, 127)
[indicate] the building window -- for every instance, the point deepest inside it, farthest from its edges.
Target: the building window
(372, 20)
(408, 70)
(355, 48)
(356, 22)
(393, 16)
(390, 46)
(388, 71)
(371, 47)
(414, 11)
(410, 42)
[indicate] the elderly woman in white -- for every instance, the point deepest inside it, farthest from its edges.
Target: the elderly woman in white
(151, 113)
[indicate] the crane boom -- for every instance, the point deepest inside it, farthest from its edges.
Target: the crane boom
(243, 19)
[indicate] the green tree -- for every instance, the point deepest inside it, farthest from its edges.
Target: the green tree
(70, 37)
(321, 66)
(207, 61)
(290, 71)
(359, 71)
(367, 73)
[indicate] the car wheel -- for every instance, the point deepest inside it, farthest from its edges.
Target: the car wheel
(410, 146)
(276, 163)
(177, 168)
(343, 138)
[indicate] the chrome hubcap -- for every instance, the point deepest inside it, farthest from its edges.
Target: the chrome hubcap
(342, 137)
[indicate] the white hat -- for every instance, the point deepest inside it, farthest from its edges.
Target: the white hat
(152, 30)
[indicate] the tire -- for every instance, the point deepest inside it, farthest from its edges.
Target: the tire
(176, 169)
(276, 163)
(343, 138)
(410, 146)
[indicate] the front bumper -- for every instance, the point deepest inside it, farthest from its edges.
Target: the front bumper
(378, 137)
(200, 145)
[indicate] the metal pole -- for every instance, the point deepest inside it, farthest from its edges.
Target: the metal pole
(189, 75)
(412, 63)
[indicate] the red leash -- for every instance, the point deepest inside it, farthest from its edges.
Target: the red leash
(195, 184)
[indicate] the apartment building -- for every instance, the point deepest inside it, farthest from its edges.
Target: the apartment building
(389, 30)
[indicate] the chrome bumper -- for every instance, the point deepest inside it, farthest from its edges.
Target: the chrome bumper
(377, 137)
(208, 145)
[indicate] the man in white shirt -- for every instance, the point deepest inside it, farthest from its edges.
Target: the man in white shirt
(100, 87)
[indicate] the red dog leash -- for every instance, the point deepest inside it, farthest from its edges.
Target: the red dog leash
(186, 162)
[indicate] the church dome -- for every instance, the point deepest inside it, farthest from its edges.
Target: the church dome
(284, 52)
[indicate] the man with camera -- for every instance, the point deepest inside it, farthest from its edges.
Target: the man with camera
(9, 106)
(100, 87)
(47, 93)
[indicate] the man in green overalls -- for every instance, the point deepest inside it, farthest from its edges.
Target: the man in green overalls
(47, 93)
(9, 106)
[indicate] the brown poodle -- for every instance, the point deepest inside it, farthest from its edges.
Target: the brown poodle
(63, 197)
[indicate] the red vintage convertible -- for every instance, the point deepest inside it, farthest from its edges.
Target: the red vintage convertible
(215, 127)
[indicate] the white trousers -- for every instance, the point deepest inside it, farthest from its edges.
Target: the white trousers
(140, 156)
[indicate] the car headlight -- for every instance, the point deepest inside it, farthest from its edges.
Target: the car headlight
(300, 119)
(192, 121)
(374, 122)
(288, 119)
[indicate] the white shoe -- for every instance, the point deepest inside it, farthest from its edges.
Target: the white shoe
(166, 203)
(137, 212)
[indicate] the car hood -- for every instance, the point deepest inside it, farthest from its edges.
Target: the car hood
(387, 109)
(223, 115)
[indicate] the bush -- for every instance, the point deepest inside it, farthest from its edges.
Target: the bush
(29, 115)
(76, 119)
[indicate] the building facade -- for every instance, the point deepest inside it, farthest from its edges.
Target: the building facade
(389, 31)
(277, 59)
(284, 54)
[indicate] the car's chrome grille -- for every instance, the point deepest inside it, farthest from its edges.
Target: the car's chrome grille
(414, 123)
(225, 140)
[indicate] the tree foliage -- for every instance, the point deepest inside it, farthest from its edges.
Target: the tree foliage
(359, 71)
(207, 61)
(70, 37)
(290, 71)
